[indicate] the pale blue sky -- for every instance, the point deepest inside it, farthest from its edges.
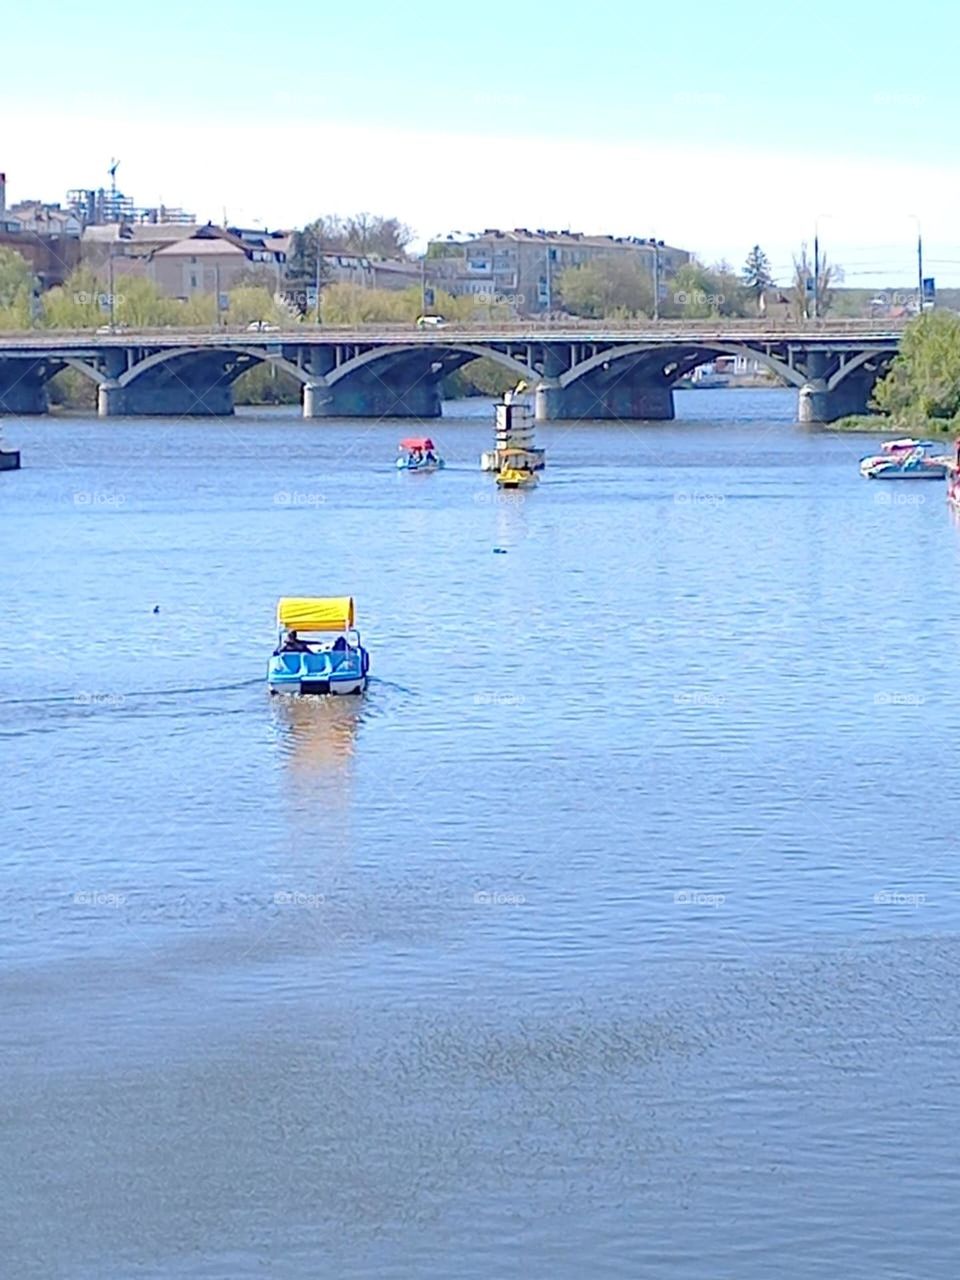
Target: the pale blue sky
(710, 126)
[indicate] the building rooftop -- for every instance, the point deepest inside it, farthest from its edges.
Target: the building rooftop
(199, 247)
(542, 236)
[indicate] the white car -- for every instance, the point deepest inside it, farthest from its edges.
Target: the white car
(262, 326)
(431, 322)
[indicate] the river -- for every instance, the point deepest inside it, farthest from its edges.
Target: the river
(607, 936)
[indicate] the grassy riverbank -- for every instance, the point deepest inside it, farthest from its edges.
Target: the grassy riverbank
(880, 424)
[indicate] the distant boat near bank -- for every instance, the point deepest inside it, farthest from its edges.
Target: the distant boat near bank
(906, 459)
(953, 479)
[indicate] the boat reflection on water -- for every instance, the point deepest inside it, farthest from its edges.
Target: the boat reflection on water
(316, 741)
(317, 737)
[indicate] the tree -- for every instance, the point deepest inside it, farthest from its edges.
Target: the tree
(697, 292)
(251, 302)
(806, 289)
(365, 233)
(599, 288)
(375, 236)
(307, 248)
(16, 290)
(924, 379)
(756, 275)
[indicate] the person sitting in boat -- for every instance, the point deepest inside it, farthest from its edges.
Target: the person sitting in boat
(293, 644)
(430, 456)
(339, 650)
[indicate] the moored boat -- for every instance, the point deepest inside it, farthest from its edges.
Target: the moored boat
(953, 479)
(905, 459)
(332, 660)
(419, 454)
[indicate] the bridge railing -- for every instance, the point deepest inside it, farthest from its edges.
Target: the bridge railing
(507, 328)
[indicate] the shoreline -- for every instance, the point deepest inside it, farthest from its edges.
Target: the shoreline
(879, 424)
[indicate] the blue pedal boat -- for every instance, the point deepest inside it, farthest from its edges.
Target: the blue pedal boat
(419, 454)
(318, 648)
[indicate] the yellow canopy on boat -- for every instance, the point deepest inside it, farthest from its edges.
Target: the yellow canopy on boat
(315, 613)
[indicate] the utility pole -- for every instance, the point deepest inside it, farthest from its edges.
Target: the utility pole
(656, 280)
(316, 279)
(919, 271)
(110, 280)
(423, 284)
(816, 273)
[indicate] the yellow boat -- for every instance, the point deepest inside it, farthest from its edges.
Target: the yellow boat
(516, 469)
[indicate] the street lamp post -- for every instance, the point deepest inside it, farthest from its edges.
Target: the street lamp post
(656, 278)
(919, 264)
(816, 264)
(316, 283)
(110, 281)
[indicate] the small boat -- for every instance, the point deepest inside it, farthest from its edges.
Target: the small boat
(517, 469)
(905, 459)
(332, 661)
(419, 455)
(9, 459)
(953, 480)
(514, 430)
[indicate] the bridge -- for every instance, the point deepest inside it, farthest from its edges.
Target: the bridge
(577, 370)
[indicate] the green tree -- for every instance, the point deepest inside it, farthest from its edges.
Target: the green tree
(923, 382)
(697, 292)
(81, 302)
(756, 275)
(351, 304)
(16, 290)
(305, 261)
(611, 284)
(139, 304)
(252, 302)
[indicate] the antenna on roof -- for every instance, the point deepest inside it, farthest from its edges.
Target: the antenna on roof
(114, 166)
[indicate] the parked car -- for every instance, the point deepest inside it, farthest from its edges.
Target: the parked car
(262, 326)
(431, 322)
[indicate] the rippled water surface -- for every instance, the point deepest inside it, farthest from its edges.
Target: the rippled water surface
(613, 933)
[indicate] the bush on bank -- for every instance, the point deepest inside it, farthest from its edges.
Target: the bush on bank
(920, 394)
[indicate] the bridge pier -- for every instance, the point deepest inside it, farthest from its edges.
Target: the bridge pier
(109, 400)
(317, 399)
(818, 403)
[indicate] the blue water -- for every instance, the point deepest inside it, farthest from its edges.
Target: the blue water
(613, 933)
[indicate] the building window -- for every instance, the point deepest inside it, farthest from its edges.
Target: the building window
(193, 278)
(193, 262)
